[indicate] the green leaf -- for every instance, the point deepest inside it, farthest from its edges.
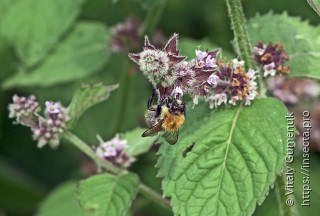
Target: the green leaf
(5, 6)
(86, 97)
(34, 26)
(236, 154)
(188, 47)
(136, 144)
(107, 194)
(82, 53)
(300, 40)
(61, 201)
(315, 4)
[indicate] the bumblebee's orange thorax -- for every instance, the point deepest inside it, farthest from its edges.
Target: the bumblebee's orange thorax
(172, 122)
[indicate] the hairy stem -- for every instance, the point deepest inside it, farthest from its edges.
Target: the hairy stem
(242, 39)
(152, 18)
(82, 146)
(238, 24)
(154, 196)
(143, 189)
(286, 202)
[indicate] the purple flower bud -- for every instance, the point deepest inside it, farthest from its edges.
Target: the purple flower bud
(272, 58)
(201, 55)
(24, 110)
(114, 151)
(269, 69)
(213, 80)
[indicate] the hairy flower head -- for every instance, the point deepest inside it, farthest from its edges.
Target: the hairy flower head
(159, 64)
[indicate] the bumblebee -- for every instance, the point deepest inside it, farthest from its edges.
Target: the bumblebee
(167, 117)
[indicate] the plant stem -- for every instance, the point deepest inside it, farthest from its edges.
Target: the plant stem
(143, 189)
(154, 196)
(242, 39)
(152, 18)
(76, 141)
(238, 24)
(286, 203)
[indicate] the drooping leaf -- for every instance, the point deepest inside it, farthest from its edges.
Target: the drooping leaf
(34, 26)
(86, 97)
(315, 4)
(82, 53)
(136, 144)
(61, 201)
(299, 38)
(236, 155)
(188, 47)
(108, 195)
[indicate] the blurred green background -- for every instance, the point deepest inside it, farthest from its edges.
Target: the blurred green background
(60, 64)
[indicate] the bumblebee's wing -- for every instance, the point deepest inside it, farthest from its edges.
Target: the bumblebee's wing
(171, 136)
(153, 130)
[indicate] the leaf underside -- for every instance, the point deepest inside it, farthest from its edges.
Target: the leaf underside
(86, 97)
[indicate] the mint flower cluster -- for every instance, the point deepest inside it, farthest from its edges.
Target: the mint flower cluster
(203, 77)
(114, 151)
(272, 58)
(48, 130)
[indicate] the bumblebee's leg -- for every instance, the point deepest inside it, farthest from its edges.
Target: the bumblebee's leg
(158, 111)
(184, 110)
(150, 100)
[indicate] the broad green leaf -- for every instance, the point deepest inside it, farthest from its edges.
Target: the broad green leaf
(136, 144)
(61, 201)
(300, 40)
(82, 53)
(86, 97)
(5, 6)
(34, 26)
(108, 195)
(315, 4)
(236, 155)
(188, 47)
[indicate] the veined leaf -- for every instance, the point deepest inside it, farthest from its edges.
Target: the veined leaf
(61, 201)
(236, 155)
(108, 195)
(315, 4)
(300, 40)
(136, 144)
(34, 26)
(82, 53)
(86, 97)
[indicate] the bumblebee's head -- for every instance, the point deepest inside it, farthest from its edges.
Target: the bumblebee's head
(176, 107)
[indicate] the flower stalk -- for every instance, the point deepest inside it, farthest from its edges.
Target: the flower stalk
(238, 24)
(143, 189)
